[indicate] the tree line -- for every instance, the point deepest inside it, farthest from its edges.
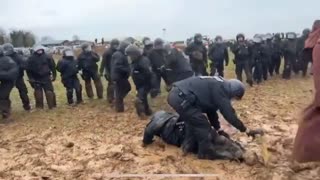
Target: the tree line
(18, 38)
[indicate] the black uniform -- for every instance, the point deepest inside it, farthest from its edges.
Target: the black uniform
(20, 84)
(197, 95)
(105, 67)
(276, 56)
(257, 58)
(41, 70)
(120, 72)
(156, 57)
(197, 53)
(242, 60)
(177, 67)
(304, 56)
(9, 72)
(88, 65)
(218, 53)
(68, 67)
(266, 60)
(141, 75)
(290, 55)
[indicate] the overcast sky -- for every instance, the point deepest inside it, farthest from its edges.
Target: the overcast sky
(89, 19)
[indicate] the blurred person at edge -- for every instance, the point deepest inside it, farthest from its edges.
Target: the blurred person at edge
(307, 144)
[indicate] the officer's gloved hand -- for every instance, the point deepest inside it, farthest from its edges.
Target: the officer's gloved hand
(234, 61)
(227, 63)
(255, 132)
(222, 133)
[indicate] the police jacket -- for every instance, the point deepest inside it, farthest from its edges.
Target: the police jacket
(156, 57)
(68, 67)
(39, 66)
(9, 70)
(197, 53)
(210, 95)
(120, 68)
(141, 72)
(106, 61)
(241, 52)
(218, 53)
(88, 62)
(20, 61)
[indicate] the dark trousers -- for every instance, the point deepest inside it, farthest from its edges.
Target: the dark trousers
(110, 92)
(265, 68)
(257, 72)
(156, 84)
(44, 85)
(289, 60)
(73, 84)
(274, 65)
(142, 104)
(122, 88)
(306, 58)
(23, 92)
(5, 103)
(87, 77)
(217, 67)
(198, 128)
(244, 66)
(199, 68)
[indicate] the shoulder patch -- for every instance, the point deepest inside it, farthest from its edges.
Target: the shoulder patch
(218, 78)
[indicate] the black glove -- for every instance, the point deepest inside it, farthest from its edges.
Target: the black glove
(222, 133)
(234, 61)
(254, 133)
(227, 63)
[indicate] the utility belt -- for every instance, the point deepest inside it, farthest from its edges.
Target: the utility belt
(187, 99)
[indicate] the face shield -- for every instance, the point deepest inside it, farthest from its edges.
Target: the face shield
(88, 49)
(69, 53)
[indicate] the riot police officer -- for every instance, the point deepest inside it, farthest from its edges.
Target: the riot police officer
(68, 67)
(242, 58)
(257, 57)
(218, 53)
(197, 53)
(147, 46)
(105, 68)
(120, 72)
(141, 74)
(8, 50)
(304, 57)
(206, 94)
(157, 57)
(9, 72)
(88, 65)
(277, 54)
(41, 70)
(289, 52)
(266, 60)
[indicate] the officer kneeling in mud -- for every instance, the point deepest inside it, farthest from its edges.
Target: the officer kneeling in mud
(191, 98)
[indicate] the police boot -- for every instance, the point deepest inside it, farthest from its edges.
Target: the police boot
(54, 100)
(38, 95)
(140, 109)
(119, 105)
(70, 96)
(5, 108)
(79, 95)
(154, 93)
(250, 82)
(50, 99)
(147, 109)
(25, 101)
(89, 89)
(110, 93)
(99, 88)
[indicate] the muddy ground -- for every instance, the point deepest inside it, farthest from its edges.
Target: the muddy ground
(91, 141)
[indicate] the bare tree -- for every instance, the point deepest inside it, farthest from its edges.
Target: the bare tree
(29, 39)
(17, 38)
(75, 38)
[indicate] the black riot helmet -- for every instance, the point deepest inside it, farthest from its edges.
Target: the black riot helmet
(8, 49)
(86, 47)
(68, 52)
(291, 35)
(240, 37)
(114, 44)
(133, 50)
(123, 45)
(218, 39)
(268, 36)
(198, 38)
(39, 50)
(277, 36)
(1, 51)
(234, 88)
(306, 32)
(158, 43)
(257, 40)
